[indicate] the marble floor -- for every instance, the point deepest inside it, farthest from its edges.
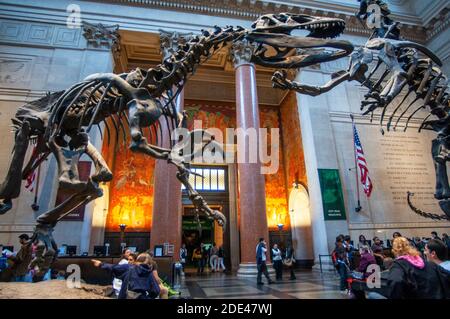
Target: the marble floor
(308, 285)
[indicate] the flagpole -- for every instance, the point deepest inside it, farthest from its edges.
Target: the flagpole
(358, 208)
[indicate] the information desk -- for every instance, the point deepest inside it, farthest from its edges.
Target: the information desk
(94, 275)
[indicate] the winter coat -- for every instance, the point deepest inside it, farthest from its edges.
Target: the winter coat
(137, 278)
(412, 278)
(22, 261)
(366, 260)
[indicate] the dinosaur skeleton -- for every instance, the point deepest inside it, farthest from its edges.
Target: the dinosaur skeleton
(59, 123)
(403, 67)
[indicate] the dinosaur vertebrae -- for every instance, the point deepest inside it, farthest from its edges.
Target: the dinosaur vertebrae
(176, 68)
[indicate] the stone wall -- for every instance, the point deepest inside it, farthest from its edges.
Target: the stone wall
(37, 57)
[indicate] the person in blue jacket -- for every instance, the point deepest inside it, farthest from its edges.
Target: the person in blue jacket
(136, 278)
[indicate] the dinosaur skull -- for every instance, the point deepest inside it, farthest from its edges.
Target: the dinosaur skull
(275, 46)
(285, 23)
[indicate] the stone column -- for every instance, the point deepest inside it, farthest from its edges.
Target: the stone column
(167, 214)
(320, 152)
(253, 220)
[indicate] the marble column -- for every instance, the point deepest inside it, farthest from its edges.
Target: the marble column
(252, 205)
(167, 214)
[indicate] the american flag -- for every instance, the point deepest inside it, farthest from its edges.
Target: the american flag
(30, 181)
(31, 178)
(361, 162)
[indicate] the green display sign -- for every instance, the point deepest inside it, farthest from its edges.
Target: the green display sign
(190, 224)
(332, 198)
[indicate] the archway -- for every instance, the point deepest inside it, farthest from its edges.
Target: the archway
(300, 216)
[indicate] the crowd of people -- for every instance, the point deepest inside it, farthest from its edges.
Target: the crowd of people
(136, 277)
(18, 266)
(280, 259)
(205, 256)
(409, 268)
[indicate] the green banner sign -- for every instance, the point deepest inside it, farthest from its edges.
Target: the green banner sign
(332, 198)
(190, 224)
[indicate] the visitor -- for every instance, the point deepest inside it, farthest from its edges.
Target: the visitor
(377, 251)
(367, 259)
(382, 291)
(340, 258)
(396, 234)
(213, 259)
(277, 262)
(138, 281)
(3, 259)
(437, 252)
(206, 251)
(446, 240)
(434, 235)
(205, 256)
(183, 256)
(132, 258)
(377, 246)
(419, 245)
(117, 283)
(197, 257)
(290, 261)
(362, 241)
(261, 258)
(349, 248)
(341, 262)
(163, 291)
(21, 261)
(410, 276)
(221, 256)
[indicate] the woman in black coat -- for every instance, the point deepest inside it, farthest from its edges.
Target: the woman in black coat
(410, 277)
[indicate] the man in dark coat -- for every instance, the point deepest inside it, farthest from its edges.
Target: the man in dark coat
(261, 257)
(21, 261)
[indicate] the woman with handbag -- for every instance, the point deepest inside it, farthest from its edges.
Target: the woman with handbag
(289, 261)
(138, 281)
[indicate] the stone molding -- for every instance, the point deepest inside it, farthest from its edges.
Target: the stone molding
(396, 226)
(17, 228)
(438, 25)
(20, 95)
(241, 53)
(100, 35)
(40, 34)
(251, 10)
(172, 41)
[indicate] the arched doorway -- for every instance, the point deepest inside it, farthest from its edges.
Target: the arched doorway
(300, 216)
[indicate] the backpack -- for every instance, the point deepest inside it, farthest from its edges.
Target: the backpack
(334, 259)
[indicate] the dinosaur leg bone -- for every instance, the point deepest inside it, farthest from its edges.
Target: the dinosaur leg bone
(102, 171)
(10, 188)
(201, 206)
(67, 161)
(46, 246)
